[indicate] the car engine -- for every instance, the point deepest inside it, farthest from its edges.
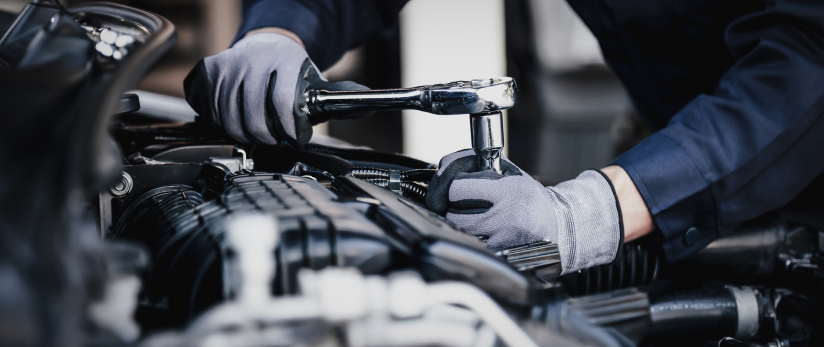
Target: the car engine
(123, 224)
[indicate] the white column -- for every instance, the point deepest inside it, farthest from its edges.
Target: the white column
(221, 19)
(444, 41)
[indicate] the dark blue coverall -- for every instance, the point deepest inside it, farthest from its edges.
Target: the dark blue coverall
(735, 90)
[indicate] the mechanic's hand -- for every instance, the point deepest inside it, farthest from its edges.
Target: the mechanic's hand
(581, 215)
(255, 90)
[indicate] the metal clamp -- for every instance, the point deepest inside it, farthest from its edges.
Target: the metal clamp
(746, 302)
(395, 181)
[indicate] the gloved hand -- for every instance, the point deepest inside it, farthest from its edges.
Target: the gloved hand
(581, 215)
(255, 90)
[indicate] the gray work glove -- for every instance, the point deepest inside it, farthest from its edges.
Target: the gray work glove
(581, 215)
(255, 90)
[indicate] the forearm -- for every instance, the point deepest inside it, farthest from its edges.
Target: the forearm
(634, 212)
(748, 148)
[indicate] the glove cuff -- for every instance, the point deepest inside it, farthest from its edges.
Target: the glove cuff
(620, 217)
(590, 229)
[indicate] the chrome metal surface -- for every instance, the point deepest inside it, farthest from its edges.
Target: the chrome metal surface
(243, 162)
(124, 186)
(104, 200)
(110, 43)
(483, 99)
(488, 139)
(232, 163)
(395, 181)
(461, 97)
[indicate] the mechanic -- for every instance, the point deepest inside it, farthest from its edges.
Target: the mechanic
(735, 90)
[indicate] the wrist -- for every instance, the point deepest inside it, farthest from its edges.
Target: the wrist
(635, 214)
(276, 30)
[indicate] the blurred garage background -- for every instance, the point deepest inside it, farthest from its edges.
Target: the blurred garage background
(572, 113)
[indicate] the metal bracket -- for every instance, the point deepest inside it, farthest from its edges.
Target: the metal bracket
(119, 190)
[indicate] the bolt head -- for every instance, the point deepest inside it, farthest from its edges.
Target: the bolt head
(123, 187)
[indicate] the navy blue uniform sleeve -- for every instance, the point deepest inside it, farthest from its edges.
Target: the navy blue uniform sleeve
(749, 147)
(328, 28)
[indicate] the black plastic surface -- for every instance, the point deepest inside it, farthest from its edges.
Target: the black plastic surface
(128, 103)
(18, 35)
(638, 264)
(185, 236)
(441, 250)
(189, 154)
(58, 152)
(370, 158)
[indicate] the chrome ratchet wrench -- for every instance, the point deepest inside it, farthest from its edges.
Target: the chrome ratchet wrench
(482, 99)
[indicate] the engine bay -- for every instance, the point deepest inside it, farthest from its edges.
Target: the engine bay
(342, 213)
(207, 241)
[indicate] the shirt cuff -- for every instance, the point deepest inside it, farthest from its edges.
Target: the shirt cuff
(676, 193)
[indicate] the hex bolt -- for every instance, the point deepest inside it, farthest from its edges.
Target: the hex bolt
(124, 186)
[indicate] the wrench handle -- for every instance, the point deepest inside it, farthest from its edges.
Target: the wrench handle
(323, 101)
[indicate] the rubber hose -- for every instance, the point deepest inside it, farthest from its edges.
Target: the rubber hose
(418, 175)
(369, 173)
(383, 183)
(412, 190)
(704, 313)
(366, 173)
(637, 265)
